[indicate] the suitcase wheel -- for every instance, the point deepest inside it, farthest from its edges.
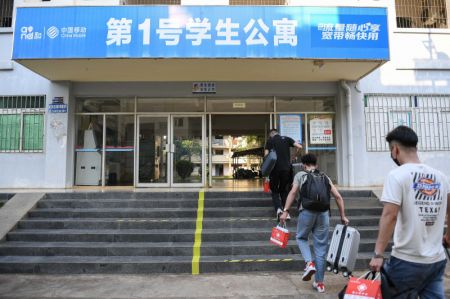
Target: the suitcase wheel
(345, 274)
(329, 269)
(335, 271)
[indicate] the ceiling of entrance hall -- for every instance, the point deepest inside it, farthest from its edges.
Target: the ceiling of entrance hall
(167, 70)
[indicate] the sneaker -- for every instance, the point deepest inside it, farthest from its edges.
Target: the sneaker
(319, 286)
(279, 212)
(310, 269)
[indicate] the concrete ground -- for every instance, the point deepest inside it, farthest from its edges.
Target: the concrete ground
(249, 285)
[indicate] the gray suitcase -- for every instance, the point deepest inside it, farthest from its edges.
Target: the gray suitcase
(343, 250)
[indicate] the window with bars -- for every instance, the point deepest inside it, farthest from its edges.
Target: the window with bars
(422, 13)
(427, 115)
(258, 2)
(22, 123)
(6, 12)
(151, 2)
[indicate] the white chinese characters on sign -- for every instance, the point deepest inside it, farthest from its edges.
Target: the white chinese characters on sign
(170, 31)
(198, 30)
(285, 32)
(365, 32)
(261, 39)
(228, 30)
(119, 31)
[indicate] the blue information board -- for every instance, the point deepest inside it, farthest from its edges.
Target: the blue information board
(201, 32)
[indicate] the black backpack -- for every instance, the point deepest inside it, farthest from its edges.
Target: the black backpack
(315, 192)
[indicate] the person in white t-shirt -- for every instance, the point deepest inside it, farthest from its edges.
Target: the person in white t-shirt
(416, 201)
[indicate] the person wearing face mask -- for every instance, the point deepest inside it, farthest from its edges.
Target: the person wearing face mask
(416, 201)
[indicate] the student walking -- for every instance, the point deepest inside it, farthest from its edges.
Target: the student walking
(280, 177)
(314, 217)
(415, 198)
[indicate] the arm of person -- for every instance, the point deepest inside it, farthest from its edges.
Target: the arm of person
(266, 152)
(340, 203)
(447, 233)
(289, 201)
(387, 226)
(298, 147)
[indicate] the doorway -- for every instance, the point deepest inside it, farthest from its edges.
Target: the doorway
(236, 148)
(171, 151)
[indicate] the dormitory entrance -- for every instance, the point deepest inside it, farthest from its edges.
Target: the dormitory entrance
(194, 142)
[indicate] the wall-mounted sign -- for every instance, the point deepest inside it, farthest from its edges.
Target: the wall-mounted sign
(204, 87)
(321, 130)
(201, 32)
(57, 105)
(239, 105)
(291, 125)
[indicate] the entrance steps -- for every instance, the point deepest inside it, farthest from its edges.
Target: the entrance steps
(151, 232)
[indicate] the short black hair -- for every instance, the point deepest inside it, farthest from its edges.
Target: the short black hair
(403, 135)
(309, 159)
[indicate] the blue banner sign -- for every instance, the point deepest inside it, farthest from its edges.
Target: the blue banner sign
(201, 32)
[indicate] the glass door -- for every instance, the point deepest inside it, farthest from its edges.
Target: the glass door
(153, 151)
(188, 151)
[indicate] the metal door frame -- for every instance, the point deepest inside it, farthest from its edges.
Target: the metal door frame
(168, 166)
(202, 157)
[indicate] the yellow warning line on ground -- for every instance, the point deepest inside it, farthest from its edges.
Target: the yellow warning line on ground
(258, 260)
(198, 234)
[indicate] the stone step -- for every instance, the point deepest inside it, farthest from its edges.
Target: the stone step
(174, 223)
(154, 264)
(153, 249)
(176, 203)
(156, 235)
(185, 195)
(169, 213)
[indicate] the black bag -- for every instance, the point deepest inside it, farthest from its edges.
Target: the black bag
(315, 192)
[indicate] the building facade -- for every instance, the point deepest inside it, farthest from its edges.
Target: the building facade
(81, 104)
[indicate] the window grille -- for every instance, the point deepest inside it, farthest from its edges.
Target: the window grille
(22, 123)
(421, 13)
(258, 2)
(427, 115)
(6, 11)
(151, 2)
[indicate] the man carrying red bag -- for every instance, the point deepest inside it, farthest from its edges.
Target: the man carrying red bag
(416, 200)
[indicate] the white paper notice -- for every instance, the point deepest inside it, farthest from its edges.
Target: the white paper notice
(321, 130)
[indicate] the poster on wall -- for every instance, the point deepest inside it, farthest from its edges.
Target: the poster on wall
(291, 126)
(321, 130)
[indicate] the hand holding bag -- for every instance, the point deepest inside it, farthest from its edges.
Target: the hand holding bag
(359, 288)
(280, 236)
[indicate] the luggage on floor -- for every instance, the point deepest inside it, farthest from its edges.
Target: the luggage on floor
(269, 163)
(343, 250)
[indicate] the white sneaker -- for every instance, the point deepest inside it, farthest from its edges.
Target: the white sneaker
(279, 212)
(320, 287)
(310, 269)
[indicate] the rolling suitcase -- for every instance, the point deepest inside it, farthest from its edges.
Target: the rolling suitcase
(343, 250)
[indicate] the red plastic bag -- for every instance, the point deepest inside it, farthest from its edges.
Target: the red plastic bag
(266, 185)
(280, 236)
(359, 288)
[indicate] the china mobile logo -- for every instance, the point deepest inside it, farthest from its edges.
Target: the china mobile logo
(52, 32)
(426, 186)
